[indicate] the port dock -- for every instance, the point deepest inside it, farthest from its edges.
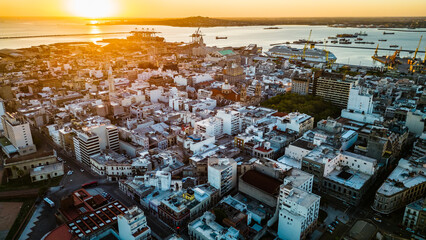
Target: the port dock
(354, 47)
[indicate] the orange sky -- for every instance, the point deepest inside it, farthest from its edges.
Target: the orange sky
(213, 8)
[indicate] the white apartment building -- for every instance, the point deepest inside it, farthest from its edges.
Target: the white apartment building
(295, 121)
(93, 139)
(298, 206)
(360, 106)
(18, 132)
(161, 180)
(212, 126)
(222, 174)
(133, 225)
(232, 121)
(2, 112)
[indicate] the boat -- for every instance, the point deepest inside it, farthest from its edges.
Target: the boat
(272, 28)
(334, 41)
(362, 33)
(382, 40)
(388, 33)
(346, 35)
(332, 37)
(393, 46)
(311, 55)
(359, 39)
(217, 37)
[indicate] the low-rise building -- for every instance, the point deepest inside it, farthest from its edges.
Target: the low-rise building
(47, 172)
(415, 216)
(405, 184)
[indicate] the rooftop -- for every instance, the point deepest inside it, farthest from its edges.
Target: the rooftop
(349, 178)
(262, 182)
(404, 176)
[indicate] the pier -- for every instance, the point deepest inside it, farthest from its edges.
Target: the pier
(355, 47)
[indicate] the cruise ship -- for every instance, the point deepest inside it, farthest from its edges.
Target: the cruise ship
(311, 55)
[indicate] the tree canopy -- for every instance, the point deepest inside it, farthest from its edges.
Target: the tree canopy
(312, 105)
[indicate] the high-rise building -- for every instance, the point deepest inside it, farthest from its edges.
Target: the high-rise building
(211, 126)
(18, 132)
(333, 89)
(232, 121)
(298, 207)
(133, 225)
(2, 112)
(222, 174)
(86, 144)
(360, 106)
(300, 85)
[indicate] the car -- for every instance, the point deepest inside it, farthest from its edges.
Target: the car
(377, 219)
(70, 172)
(82, 170)
(330, 231)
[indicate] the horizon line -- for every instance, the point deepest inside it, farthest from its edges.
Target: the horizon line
(106, 18)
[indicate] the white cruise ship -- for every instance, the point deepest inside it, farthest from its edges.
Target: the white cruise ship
(311, 55)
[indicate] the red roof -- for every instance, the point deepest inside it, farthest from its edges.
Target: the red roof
(62, 232)
(262, 149)
(279, 114)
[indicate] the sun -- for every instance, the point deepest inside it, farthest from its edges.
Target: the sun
(92, 8)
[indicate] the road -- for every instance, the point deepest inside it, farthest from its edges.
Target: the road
(82, 174)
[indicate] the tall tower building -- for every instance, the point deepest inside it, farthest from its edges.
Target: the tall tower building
(85, 145)
(111, 86)
(222, 174)
(2, 112)
(298, 207)
(18, 132)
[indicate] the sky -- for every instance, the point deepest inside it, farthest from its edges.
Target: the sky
(211, 8)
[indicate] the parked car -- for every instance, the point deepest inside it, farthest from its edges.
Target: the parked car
(377, 219)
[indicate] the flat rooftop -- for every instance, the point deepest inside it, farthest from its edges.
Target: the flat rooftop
(262, 182)
(349, 178)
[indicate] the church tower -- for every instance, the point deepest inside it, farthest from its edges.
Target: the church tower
(258, 90)
(243, 93)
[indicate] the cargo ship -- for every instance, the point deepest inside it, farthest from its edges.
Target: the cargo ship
(217, 37)
(311, 55)
(388, 33)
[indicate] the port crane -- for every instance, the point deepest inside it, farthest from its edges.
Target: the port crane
(328, 63)
(417, 49)
(413, 62)
(306, 44)
(197, 37)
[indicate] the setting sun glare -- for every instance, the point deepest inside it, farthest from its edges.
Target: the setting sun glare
(92, 8)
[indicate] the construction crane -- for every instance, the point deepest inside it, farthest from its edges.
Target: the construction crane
(417, 49)
(375, 52)
(197, 37)
(327, 63)
(306, 44)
